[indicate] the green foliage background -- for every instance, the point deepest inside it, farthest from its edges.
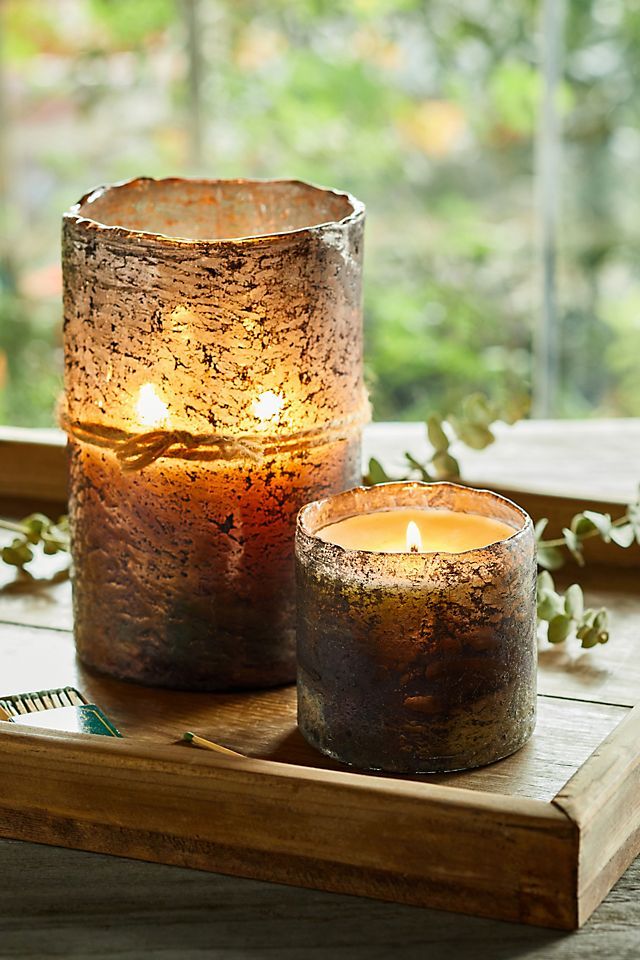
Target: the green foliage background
(426, 111)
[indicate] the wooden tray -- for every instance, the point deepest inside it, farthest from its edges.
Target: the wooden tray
(539, 837)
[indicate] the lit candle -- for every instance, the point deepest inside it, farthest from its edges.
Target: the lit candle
(213, 387)
(416, 627)
(418, 531)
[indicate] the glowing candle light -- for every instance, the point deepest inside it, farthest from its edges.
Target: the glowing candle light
(267, 407)
(151, 411)
(414, 539)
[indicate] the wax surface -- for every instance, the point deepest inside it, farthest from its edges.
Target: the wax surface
(442, 531)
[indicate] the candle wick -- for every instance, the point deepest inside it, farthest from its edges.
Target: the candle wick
(414, 548)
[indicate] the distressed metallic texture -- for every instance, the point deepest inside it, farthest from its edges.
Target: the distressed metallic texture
(416, 662)
(214, 292)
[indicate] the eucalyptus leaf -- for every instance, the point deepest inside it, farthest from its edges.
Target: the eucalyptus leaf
(36, 530)
(601, 619)
(574, 601)
(574, 545)
(445, 466)
(418, 467)
(476, 409)
(589, 639)
(601, 521)
(623, 536)
(559, 628)
(35, 525)
(540, 527)
(18, 554)
(376, 473)
(581, 525)
(550, 606)
(587, 619)
(550, 558)
(470, 425)
(437, 437)
(545, 582)
(475, 435)
(515, 409)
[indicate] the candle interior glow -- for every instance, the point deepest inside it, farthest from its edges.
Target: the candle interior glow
(151, 411)
(267, 407)
(394, 531)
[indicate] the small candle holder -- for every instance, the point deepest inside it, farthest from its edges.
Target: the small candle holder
(416, 662)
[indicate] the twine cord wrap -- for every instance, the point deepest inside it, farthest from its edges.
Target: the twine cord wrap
(135, 451)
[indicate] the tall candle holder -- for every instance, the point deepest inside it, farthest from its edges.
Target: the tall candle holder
(213, 381)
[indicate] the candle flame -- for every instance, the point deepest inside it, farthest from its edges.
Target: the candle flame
(150, 409)
(267, 406)
(414, 539)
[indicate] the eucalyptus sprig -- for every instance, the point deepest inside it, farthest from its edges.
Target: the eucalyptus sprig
(472, 425)
(34, 532)
(566, 615)
(623, 531)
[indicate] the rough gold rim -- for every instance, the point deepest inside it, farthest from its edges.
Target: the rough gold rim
(75, 215)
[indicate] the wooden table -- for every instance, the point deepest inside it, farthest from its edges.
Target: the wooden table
(64, 903)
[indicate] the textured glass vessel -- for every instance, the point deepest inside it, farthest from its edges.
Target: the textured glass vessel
(213, 379)
(416, 662)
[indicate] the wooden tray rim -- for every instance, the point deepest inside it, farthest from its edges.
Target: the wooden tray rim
(579, 817)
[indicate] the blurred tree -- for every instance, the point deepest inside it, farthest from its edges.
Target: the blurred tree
(426, 111)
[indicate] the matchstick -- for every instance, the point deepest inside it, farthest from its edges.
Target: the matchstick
(210, 745)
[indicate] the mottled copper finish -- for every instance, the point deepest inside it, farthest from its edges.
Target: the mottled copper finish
(214, 292)
(416, 662)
